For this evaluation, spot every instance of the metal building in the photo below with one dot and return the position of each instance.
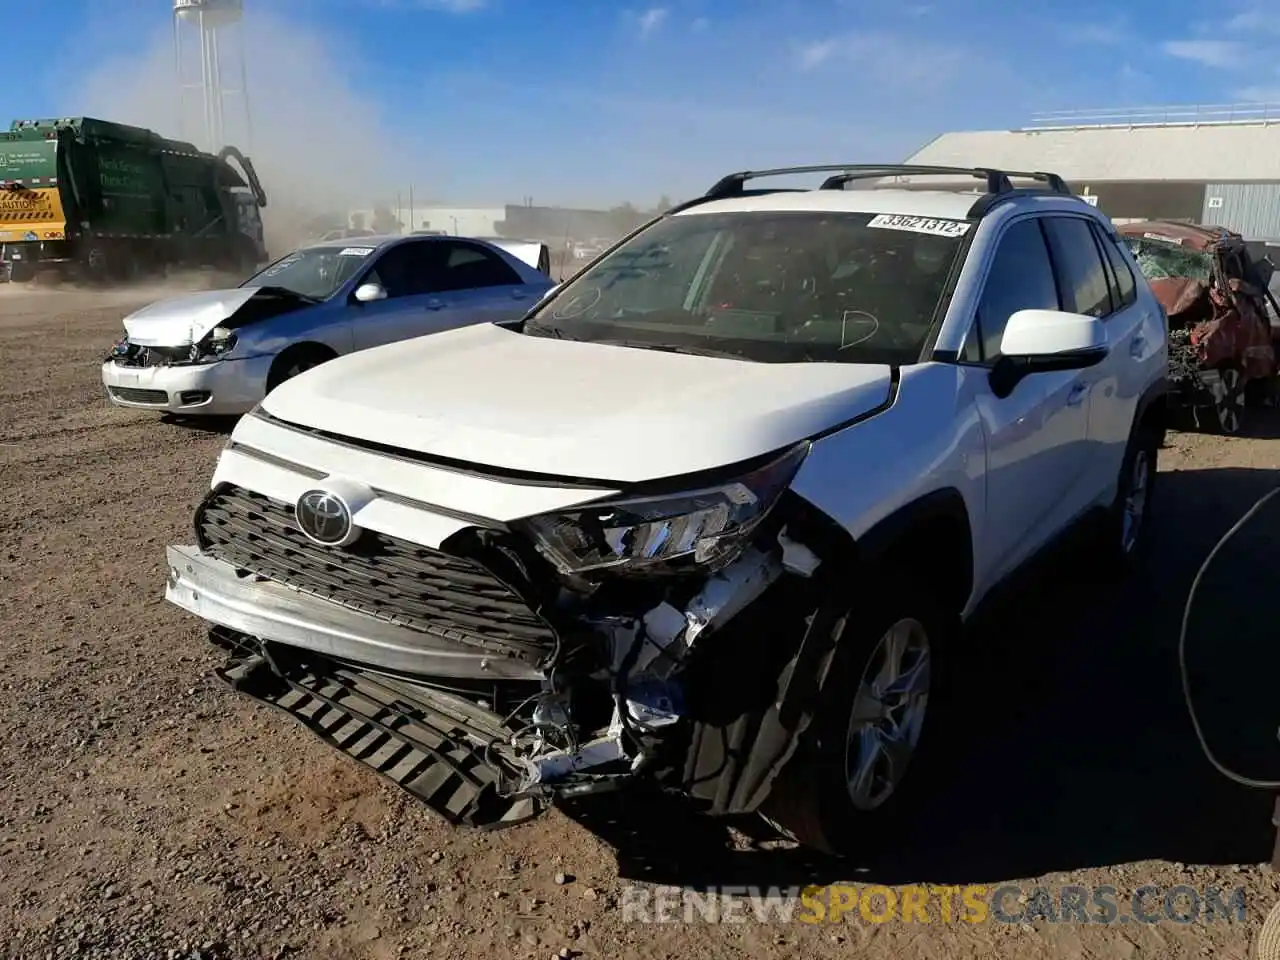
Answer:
(1215, 165)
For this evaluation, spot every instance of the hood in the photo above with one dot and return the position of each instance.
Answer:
(1177, 294)
(493, 397)
(182, 321)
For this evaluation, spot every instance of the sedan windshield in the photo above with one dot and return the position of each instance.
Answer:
(1161, 261)
(316, 272)
(770, 287)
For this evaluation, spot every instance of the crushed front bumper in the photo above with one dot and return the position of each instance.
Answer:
(219, 388)
(404, 701)
(442, 749)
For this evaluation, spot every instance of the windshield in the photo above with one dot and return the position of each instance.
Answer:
(316, 272)
(770, 287)
(1160, 261)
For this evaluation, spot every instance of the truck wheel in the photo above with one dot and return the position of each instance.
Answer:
(861, 773)
(97, 265)
(295, 360)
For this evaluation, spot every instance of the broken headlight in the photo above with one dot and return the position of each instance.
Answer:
(706, 527)
(213, 347)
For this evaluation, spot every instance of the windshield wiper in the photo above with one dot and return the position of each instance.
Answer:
(670, 348)
(546, 329)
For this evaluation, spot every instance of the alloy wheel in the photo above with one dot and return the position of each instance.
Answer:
(888, 714)
(1135, 501)
(1230, 405)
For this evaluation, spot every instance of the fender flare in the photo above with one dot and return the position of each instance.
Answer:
(1154, 398)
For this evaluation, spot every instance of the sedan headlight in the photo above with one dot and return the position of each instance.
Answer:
(705, 527)
(219, 342)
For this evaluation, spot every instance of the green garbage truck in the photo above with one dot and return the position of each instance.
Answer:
(107, 202)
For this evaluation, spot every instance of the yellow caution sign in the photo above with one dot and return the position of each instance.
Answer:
(32, 214)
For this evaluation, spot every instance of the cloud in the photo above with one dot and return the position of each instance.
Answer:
(1258, 95)
(892, 59)
(700, 23)
(1254, 21)
(1097, 34)
(1209, 53)
(650, 20)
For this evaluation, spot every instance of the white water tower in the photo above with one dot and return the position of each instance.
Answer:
(208, 42)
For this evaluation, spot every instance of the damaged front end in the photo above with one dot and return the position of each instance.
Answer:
(670, 640)
(212, 347)
(199, 328)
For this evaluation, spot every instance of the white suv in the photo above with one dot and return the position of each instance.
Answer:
(709, 518)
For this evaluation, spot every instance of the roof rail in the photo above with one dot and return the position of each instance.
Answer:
(998, 181)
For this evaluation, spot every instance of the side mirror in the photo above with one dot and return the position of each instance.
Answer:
(1043, 341)
(369, 292)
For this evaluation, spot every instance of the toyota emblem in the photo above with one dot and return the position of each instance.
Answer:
(324, 518)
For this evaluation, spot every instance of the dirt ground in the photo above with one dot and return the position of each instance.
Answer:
(146, 811)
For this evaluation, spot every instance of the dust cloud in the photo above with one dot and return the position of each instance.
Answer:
(319, 145)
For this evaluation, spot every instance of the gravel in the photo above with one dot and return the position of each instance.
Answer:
(147, 812)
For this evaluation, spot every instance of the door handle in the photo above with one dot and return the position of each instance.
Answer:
(1077, 394)
(1136, 346)
(434, 304)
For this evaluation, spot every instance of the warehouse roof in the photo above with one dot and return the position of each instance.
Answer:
(1207, 152)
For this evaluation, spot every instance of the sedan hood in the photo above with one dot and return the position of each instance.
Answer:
(493, 397)
(182, 321)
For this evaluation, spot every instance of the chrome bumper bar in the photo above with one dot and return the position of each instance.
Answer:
(213, 590)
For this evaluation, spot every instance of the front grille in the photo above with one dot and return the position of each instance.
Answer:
(127, 354)
(383, 576)
(139, 395)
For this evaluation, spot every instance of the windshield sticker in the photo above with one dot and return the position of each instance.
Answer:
(1162, 238)
(937, 228)
(355, 251)
(857, 326)
(578, 305)
(284, 264)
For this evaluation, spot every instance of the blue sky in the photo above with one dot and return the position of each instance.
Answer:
(599, 102)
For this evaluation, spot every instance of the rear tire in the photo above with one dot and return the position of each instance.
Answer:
(860, 776)
(1122, 538)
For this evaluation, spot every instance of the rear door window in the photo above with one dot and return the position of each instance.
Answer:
(1126, 290)
(466, 266)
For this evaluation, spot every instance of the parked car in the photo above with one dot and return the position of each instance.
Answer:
(219, 352)
(788, 443)
(1222, 348)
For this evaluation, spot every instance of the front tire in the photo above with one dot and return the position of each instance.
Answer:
(296, 360)
(861, 773)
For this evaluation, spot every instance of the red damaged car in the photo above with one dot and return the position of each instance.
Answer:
(1222, 349)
